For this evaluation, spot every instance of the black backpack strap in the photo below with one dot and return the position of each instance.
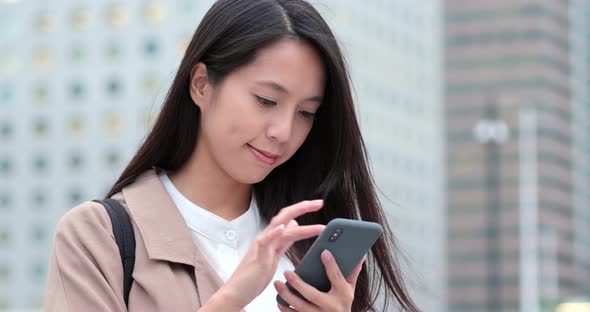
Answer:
(125, 238)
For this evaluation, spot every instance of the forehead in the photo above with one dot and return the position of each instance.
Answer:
(292, 63)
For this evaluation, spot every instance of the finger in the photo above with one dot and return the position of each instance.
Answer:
(333, 271)
(292, 223)
(267, 237)
(294, 301)
(303, 232)
(291, 212)
(289, 236)
(355, 273)
(309, 292)
(283, 308)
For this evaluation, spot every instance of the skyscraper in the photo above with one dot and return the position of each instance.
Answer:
(395, 52)
(79, 86)
(580, 79)
(516, 153)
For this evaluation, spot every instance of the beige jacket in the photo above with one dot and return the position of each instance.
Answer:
(85, 270)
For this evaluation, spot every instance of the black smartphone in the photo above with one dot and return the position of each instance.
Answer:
(348, 241)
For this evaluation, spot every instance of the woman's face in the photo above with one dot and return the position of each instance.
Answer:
(258, 117)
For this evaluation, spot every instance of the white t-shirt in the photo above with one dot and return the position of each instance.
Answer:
(225, 243)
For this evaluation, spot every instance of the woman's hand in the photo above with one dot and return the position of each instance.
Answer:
(338, 299)
(259, 265)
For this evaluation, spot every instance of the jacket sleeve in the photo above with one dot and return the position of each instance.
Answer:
(85, 271)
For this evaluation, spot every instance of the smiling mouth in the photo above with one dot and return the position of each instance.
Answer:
(266, 158)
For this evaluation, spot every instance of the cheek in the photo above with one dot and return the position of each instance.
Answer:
(242, 123)
(233, 128)
(236, 122)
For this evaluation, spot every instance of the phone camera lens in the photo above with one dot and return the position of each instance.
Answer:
(335, 235)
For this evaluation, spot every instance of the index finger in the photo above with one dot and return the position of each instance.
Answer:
(291, 212)
(333, 271)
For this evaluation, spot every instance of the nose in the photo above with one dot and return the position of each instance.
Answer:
(281, 127)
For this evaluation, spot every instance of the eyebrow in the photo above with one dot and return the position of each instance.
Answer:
(281, 89)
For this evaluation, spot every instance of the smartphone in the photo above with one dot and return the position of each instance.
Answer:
(348, 241)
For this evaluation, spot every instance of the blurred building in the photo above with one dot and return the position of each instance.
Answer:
(580, 79)
(394, 49)
(81, 82)
(517, 110)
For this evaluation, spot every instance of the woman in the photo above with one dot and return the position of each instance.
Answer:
(258, 121)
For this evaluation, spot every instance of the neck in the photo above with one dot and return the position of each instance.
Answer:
(205, 184)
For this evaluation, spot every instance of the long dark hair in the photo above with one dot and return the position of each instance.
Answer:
(332, 162)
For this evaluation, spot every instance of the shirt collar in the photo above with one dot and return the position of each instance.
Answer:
(211, 226)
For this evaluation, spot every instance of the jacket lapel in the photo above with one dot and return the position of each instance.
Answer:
(164, 231)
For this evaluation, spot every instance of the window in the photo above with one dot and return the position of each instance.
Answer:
(81, 19)
(6, 130)
(6, 200)
(39, 234)
(39, 199)
(6, 94)
(40, 163)
(42, 59)
(6, 165)
(117, 16)
(40, 92)
(5, 276)
(77, 53)
(75, 160)
(150, 84)
(151, 47)
(40, 127)
(4, 304)
(44, 23)
(77, 90)
(113, 159)
(5, 236)
(154, 13)
(113, 51)
(75, 196)
(38, 271)
(76, 126)
(181, 46)
(112, 124)
(114, 87)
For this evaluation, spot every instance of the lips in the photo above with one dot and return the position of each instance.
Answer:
(263, 156)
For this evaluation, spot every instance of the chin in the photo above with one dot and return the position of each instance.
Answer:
(251, 177)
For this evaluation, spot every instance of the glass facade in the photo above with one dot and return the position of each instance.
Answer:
(517, 208)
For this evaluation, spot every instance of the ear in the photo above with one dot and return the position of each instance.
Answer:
(200, 87)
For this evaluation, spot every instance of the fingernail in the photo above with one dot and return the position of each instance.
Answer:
(277, 285)
(326, 255)
(318, 201)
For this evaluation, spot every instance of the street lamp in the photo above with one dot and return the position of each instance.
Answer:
(492, 132)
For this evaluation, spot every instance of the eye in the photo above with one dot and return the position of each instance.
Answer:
(265, 102)
(308, 115)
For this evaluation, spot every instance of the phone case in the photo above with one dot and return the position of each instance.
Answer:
(354, 240)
